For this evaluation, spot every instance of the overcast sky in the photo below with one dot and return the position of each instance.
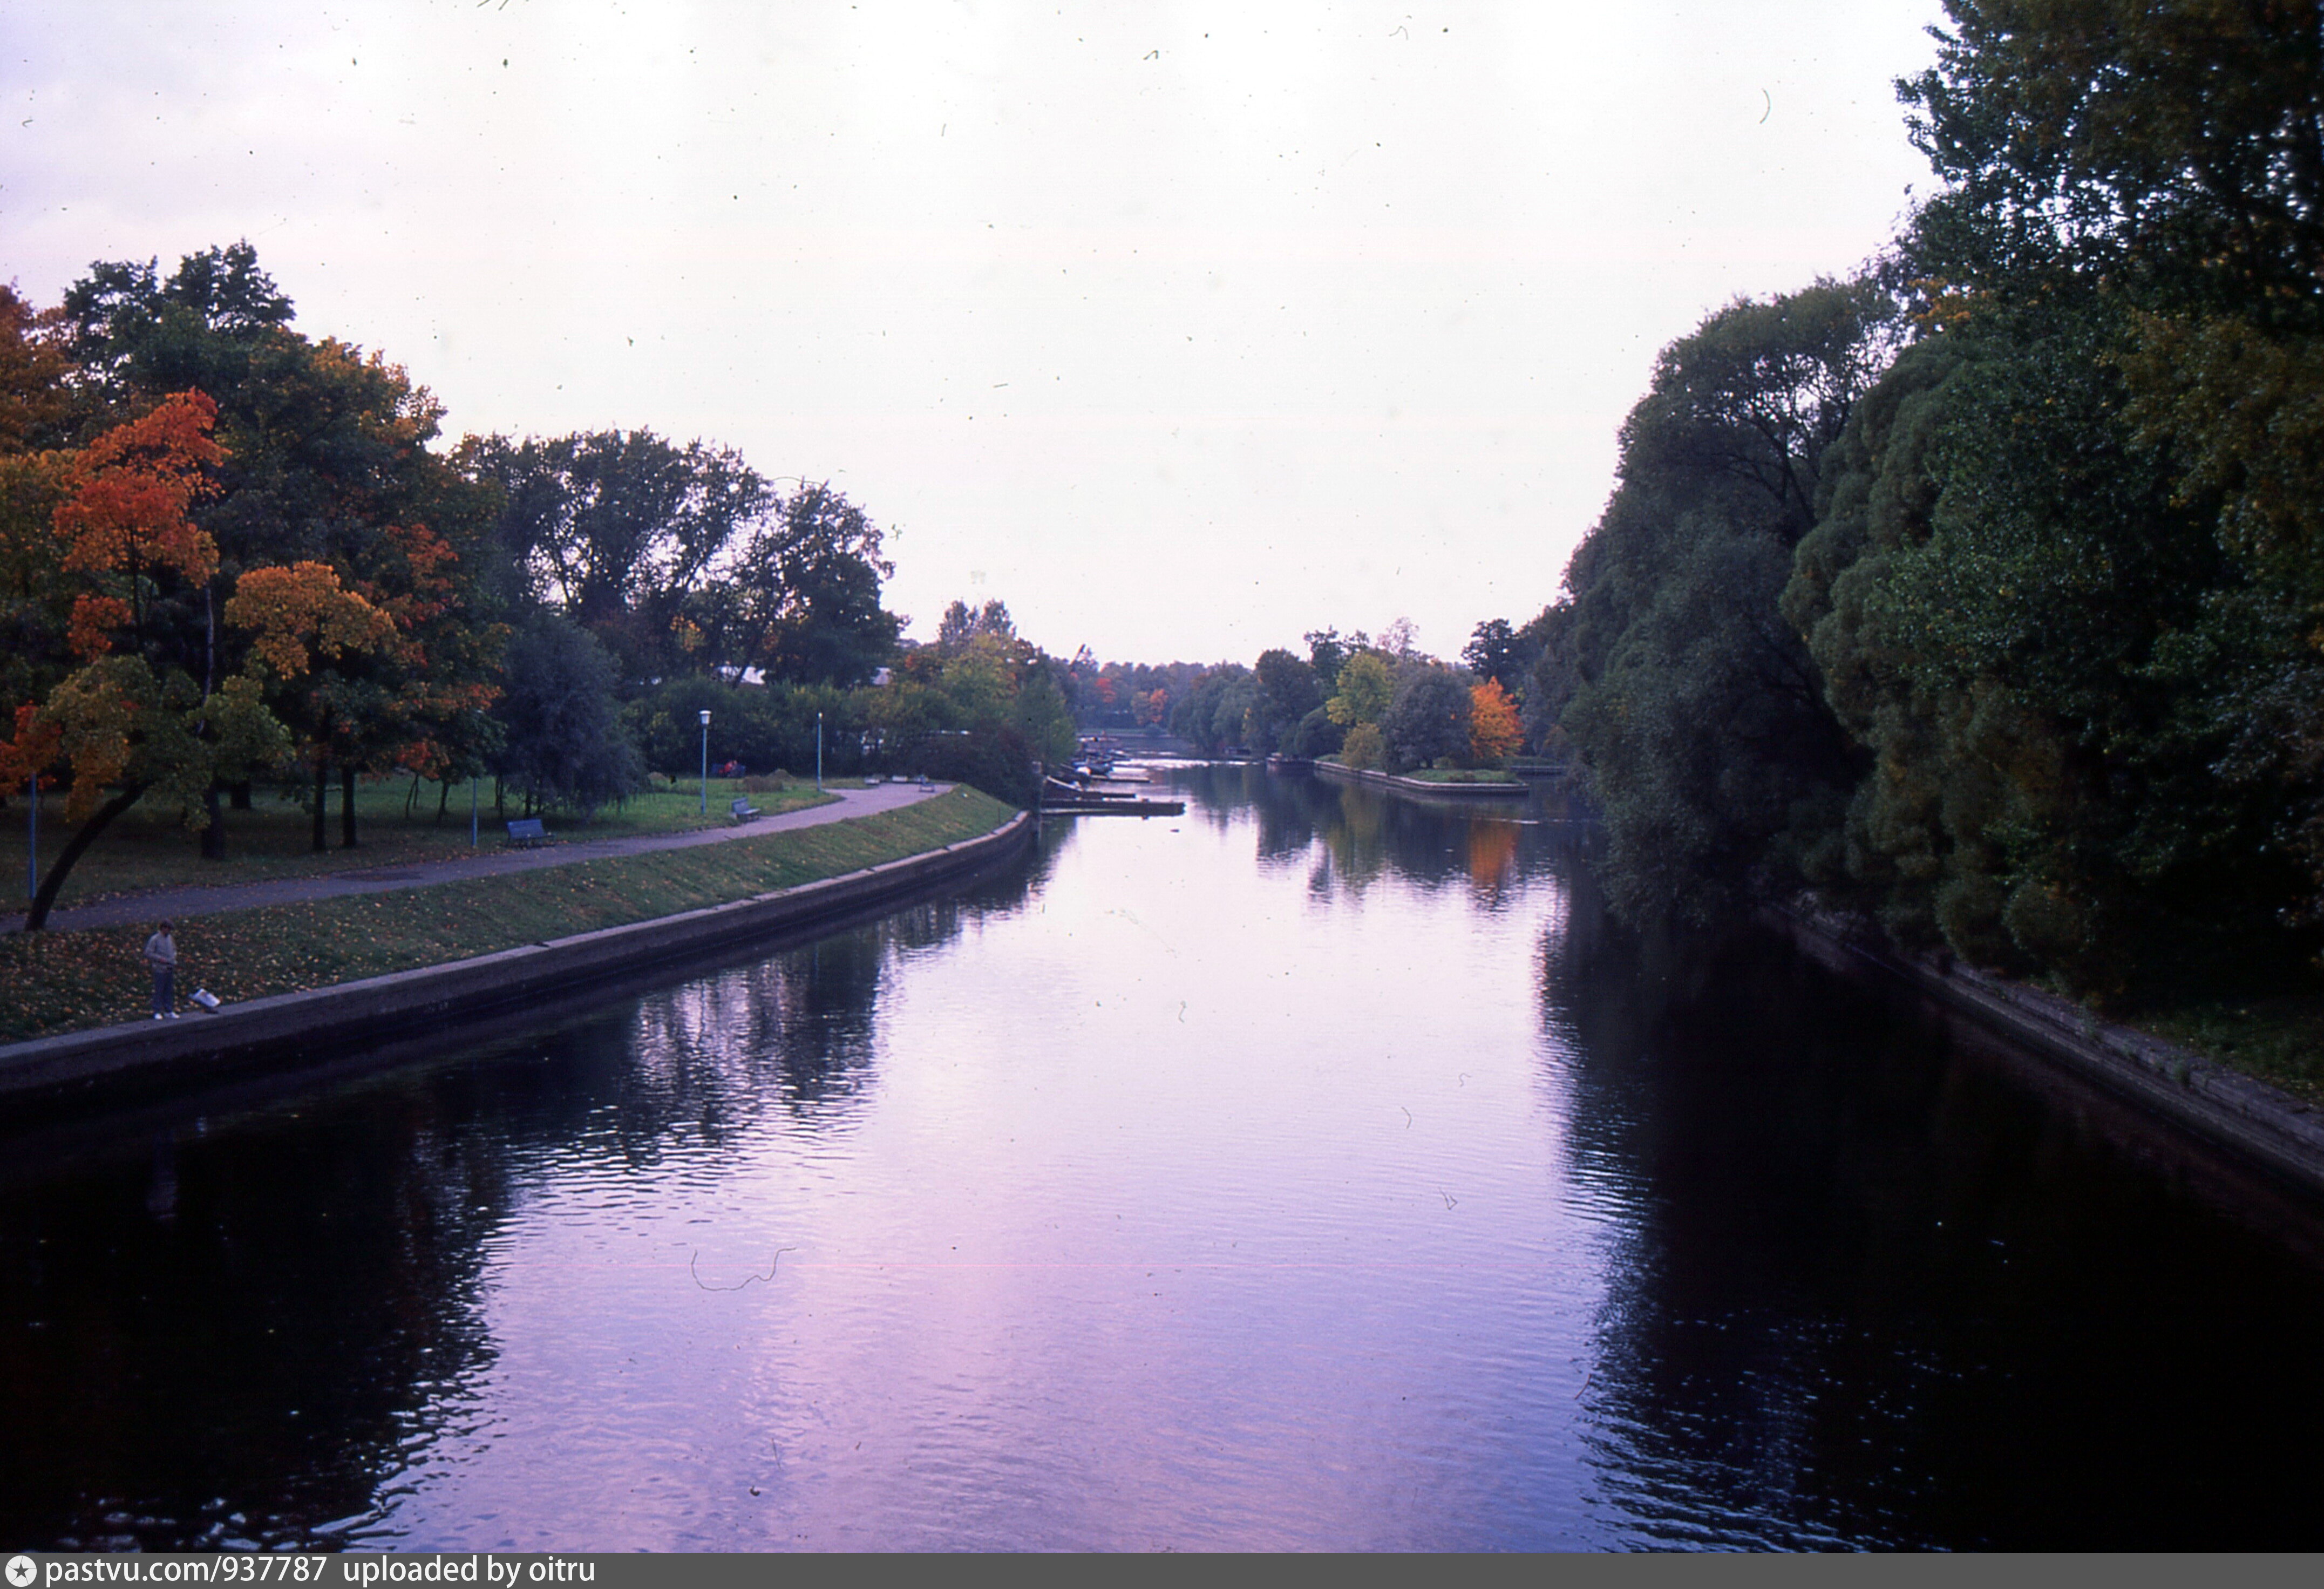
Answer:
(1181, 329)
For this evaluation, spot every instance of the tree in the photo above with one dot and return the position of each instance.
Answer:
(962, 624)
(325, 459)
(1496, 652)
(2084, 655)
(615, 529)
(806, 590)
(1315, 736)
(1212, 713)
(1494, 731)
(144, 710)
(1365, 688)
(1695, 707)
(1428, 720)
(1285, 691)
(565, 744)
(1326, 651)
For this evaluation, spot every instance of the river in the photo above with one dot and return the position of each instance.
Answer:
(1318, 1169)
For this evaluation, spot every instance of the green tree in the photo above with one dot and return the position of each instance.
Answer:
(1696, 709)
(1285, 690)
(1502, 653)
(1428, 719)
(616, 529)
(565, 744)
(1365, 688)
(802, 600)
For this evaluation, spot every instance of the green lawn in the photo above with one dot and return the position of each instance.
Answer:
(2279, 1038)
(1461, 775)
(149, 849)
(52, 982)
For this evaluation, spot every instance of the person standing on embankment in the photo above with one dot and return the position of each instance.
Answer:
(162, 954)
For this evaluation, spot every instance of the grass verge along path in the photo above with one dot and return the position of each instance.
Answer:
(151, 849)
(56, 982)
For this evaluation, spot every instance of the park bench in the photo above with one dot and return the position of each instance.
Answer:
(526, 832)
(743, 810)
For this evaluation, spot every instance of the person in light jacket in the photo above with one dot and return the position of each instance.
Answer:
(162, 954)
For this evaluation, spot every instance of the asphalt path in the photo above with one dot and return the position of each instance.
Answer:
(177, 904)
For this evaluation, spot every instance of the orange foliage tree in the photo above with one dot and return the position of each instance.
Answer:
(132, 718)
(1495, 730)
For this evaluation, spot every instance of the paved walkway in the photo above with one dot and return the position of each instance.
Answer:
(180, 903)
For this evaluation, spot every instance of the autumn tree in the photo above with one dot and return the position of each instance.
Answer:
(326, 460)
(1494, 730)
(145, 710)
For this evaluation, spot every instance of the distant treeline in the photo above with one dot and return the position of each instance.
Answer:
(1984, 593)
(1370, 704)
(230, 555)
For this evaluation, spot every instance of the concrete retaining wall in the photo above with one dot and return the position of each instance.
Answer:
(302, 1026)
(1421, 785)
(2249, 1118)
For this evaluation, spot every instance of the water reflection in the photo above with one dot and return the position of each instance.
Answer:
(1322, 1169)
(1877, 1285)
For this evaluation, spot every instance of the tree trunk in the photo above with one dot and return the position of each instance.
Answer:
(85, 835)
(500, 799)
(443, 799)
(411, 797)
(322, 788)
(213, 830)
(347, 807)
(241, 795)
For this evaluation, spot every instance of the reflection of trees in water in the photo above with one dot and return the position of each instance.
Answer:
(1292, 809)
(1492, 856)
(240, 1320)
(1863, 1289)
(796, 1032)
(273, 1314)
(1351, 834)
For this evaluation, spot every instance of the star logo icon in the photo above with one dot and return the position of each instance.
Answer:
(22, 1571)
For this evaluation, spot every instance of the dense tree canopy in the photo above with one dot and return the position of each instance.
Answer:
(230, 552)
(1996, 619)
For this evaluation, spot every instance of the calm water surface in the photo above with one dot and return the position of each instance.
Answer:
(1318, 1169)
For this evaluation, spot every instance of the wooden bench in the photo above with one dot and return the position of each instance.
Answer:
(743, 810)
(526, 832)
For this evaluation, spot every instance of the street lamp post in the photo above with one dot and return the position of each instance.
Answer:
(706, 763)
(818, 752)
(472, 810)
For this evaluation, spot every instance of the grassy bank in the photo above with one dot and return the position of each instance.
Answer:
(53, 982)
(1461, 775)
(2279, 1038)
(150, 848)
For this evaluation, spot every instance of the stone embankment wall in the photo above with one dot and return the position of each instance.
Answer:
(1421, 785)
(2244, 1115)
